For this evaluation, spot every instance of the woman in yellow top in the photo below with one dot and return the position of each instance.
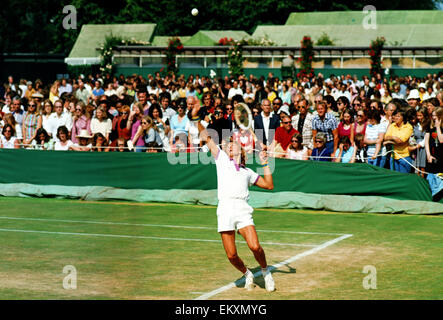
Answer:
(398, 134)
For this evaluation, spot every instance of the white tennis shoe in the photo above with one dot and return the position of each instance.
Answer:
(269, 281)
(249, 280)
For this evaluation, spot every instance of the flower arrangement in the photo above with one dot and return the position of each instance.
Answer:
(106, 57)
(175, 47)
(306, 58)
(375, 49)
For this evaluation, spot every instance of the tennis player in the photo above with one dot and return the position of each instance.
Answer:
(233, 211)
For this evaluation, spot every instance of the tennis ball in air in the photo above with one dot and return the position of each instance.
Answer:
(194, 11)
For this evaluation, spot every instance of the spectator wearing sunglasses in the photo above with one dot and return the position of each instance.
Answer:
(296, 150)
(321, 152)
(32, 121)
(282, 138)
(81, 121)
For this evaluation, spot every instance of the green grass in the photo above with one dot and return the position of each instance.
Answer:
(404, 249)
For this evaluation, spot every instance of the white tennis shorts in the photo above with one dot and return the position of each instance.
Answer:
(233, 214)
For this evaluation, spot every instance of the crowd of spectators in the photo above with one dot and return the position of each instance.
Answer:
(393, 122)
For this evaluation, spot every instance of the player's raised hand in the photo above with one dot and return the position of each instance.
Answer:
(195, 108)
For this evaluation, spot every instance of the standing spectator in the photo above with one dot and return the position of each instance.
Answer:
(167, 111)
(29, 90)
(296, 150)
(9, 119)
(31, 123)
(156, 114)
(58, 119)
(234, 90)
(326, 123)
(361, 123)
(266, 123)
(398, 134)
(101, 124)
(420, 125)
(135, 121)
(345, 152)
(434, 142)
(64, 87)
(8, 140)
(42, 141)
(81, 121)
(53, 92)
(179, 123)
(98, 90)
(16, 110)
(373, 138)
(48, 108)
(302, 122)
(82, 92)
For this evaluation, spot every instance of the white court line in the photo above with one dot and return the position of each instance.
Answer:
(154, 225)
(276, 266)
(145, 237)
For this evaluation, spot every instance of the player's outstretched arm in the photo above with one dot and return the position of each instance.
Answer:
(265, 182)
(204, 136)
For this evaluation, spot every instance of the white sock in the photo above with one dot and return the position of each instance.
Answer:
(264, 271)
(248, 272)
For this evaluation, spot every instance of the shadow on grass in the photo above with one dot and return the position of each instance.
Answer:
(258, 279)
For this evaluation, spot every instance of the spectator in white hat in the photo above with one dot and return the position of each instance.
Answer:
(413, 98)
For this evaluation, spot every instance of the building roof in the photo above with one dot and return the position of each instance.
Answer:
(418, 35)
(401, 17)
(93, 36)
(162, 41)
(210, 38)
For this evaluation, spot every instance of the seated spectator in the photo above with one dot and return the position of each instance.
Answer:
(8, 139)
(120, 125)
(321, 152)
(398, 135)
(83, 143)
(99, 143)
(181, 144)
(58, 119)
(42, 141)
(345, 152)
(296, 150)
(9, 119)
(282, 138)
(48, 108)
(101, 124)
(327, 124)
(152, 147)
(244, 138)
(148, 131)
(63, 143)
(122, 145)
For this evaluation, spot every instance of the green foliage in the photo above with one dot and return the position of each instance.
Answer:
(235, 59)
(324, 40)
(36, 26)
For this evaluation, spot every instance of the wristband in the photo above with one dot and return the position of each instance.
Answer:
(196, 118)
(264, 165)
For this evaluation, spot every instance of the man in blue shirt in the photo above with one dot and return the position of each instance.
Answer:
(328, 124)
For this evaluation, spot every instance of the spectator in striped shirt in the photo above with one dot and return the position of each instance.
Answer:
(328, 124)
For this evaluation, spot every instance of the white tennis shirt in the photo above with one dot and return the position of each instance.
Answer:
(233, 180)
